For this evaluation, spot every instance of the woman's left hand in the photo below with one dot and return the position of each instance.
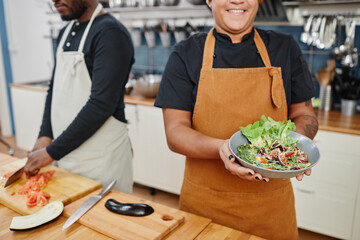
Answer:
(235, 168)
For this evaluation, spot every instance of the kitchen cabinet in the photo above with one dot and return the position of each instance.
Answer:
(28, 107)
(327, 202)
(154, 164)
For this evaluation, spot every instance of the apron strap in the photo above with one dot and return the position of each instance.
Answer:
(95, 13)
(64, 36)
(83, 38)
(210, 46)
(262, 49)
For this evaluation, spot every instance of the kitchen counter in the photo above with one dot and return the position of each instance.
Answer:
(332, 121)
(193, 227)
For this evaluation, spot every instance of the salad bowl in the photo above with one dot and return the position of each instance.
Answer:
(303, 143)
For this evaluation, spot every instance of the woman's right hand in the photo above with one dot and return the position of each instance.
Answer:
(235, 168)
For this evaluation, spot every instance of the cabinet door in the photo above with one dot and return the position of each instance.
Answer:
(28, 109)
(326, 201)
(157, 166)
(325, 212)
(339, 165)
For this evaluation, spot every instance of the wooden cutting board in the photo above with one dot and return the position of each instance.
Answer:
(64, 186)
(154, 226)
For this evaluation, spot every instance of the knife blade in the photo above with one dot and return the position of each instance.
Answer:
(87, 205)
(14, 177)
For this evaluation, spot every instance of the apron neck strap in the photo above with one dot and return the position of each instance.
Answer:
(95, 13)
(260, 45)
(83, 38)
(210, 46)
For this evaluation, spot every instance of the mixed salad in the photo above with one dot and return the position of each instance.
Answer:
(270, 146)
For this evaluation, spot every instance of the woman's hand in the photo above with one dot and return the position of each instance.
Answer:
(301, 176)
(235, 168)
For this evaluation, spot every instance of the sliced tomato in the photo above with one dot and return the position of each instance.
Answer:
(45, 194)
(32, 199)
(289, 154)
(41, 200)
(33, 189)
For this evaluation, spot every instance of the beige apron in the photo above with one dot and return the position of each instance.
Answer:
(227, 99)
(107, 154)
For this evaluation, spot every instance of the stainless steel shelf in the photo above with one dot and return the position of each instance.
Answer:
(312, 3)
(161, 12)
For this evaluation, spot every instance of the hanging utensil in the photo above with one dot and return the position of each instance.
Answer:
(331, 33)
(319, 42)
(350, 58)
(314, 31)
(304, 37)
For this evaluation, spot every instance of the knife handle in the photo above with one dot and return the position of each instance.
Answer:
(108, 188)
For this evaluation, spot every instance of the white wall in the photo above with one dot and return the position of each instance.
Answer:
(30, 46)
(5, 122)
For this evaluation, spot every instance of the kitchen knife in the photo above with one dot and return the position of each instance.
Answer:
(87, 205)
(14, 177)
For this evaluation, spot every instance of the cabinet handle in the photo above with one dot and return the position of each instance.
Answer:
(306, 190)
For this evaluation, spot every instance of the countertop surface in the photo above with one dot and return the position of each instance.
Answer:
(332, 120)
(328, 120)
(193, 227)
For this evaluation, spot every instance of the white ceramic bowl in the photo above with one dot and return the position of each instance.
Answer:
(305, 144)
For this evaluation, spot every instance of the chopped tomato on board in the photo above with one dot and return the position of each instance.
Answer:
(32, 199)
(41, 199)
(33, 189)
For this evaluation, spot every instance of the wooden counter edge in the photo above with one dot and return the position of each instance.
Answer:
(322, 115)
(30, 87)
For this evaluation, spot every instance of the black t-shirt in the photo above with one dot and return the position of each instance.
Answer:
(109, 56)
(180, 79)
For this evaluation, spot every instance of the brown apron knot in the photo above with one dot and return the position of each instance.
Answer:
(276, 87)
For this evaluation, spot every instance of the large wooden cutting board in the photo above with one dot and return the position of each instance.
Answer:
(154, 226)
(64, 186)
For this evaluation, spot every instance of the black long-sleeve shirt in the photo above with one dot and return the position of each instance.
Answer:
(109, 55)
(178, 88)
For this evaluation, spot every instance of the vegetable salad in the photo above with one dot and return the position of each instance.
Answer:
(270, 146)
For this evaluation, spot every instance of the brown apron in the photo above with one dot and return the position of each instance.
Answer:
(227, 99)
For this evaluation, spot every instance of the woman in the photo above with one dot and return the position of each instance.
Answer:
(213, 84)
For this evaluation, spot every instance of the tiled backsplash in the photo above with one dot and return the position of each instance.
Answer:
(154, 59)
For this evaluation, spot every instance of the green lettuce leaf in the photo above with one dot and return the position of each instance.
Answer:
(264, 132)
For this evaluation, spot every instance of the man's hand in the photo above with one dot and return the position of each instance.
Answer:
(41, 142)
(36, 160)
